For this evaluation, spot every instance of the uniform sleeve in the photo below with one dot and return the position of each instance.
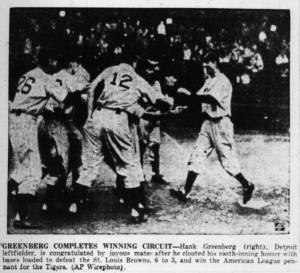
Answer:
(73, 84)
(146, 90)
(157, 87)
(219, 90)
(56, 90)
(86, 75)
(136, 110)
(91, 91)
(205, 88)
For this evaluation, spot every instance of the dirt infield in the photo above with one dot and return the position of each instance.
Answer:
(213, 207)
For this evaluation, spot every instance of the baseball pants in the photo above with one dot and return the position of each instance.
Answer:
(113, 136)
(218, 135)
(26, 167)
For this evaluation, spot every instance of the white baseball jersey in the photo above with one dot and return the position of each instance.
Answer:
(216, 134)
(67, 83)
(34, 90)
(82, 73)
(123, 87)
(219, 87)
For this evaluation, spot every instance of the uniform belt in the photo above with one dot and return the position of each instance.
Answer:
(117, 111)
(18, 112)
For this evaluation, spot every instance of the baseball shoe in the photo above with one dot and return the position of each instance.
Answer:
(25, 224)
(48, 210)
(158, 179)
(247, 193)
(119, 195)
(178, 195)
(12, 188)
(139, 219)
(73, 208)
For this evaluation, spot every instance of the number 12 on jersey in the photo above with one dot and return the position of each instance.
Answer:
(125, 80)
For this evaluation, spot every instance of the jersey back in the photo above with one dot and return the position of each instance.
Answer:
(123, 87)
(31, 96)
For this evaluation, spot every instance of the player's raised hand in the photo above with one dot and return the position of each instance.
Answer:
(182, 90)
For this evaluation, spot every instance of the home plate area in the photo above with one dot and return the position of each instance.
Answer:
(214, 206)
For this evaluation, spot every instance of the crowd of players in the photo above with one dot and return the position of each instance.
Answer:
(48, 142)
(61, 126)
(62, 95)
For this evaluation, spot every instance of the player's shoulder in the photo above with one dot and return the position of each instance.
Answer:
(125, 68)
(62, 74)
(38, 74)
(224, 79)
(37, 71)
(157, 86)
(107, 71)
(223, 76)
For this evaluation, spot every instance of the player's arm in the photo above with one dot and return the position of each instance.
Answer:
(76, 84)
(160, 115)
(155, 98)
(219, 93)
(214, 94)
(56, 90)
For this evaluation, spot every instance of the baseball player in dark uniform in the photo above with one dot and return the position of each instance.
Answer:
(216, 131)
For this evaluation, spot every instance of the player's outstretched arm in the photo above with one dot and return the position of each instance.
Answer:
(159, 115)
(182, 90)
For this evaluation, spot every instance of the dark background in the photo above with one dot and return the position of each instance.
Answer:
(239, 37)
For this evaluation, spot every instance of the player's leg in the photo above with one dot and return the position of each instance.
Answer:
(225, 148)
(155, 164)
(201, 151)
(55, 181)
(119, 191)
(75, 149)
(154, 147)
(27, 166)
(143, 134)
(54, 173)
(90, 167)
(121, 141)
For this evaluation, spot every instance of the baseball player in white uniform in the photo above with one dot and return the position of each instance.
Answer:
(61, 129)
(34, 90)
(150, 130)
(216, 131)
(112, 128)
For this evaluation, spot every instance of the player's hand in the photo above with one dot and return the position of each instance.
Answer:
(169, 100)
(184, 91)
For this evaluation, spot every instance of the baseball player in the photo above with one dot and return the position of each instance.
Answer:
(149, 130)
(216, 131)
(112, 128)
(62, 131)
(34, 90)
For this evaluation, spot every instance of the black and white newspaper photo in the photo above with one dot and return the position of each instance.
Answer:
(156, 136)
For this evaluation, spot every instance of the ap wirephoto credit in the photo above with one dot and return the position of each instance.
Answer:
(164, 121)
